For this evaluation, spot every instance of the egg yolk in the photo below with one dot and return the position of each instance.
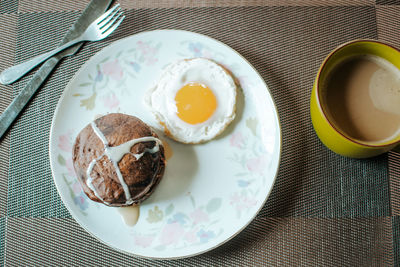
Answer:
(195, 102)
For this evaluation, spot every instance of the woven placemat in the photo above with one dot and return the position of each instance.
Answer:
(324, 210)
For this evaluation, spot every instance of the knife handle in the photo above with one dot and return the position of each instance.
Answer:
(16, 106)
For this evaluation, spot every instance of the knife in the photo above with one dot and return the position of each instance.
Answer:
(91, 12)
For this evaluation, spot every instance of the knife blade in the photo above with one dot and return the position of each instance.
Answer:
(91, 12)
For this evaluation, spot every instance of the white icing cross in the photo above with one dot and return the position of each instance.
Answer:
(115, 154)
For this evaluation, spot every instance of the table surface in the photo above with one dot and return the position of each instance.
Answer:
(324, 210)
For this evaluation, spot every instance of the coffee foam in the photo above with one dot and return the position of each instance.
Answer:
(384, 87)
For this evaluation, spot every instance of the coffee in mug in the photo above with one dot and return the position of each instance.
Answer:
(362, 96)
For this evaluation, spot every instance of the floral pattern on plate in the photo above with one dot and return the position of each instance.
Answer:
(114, 71)
(180, 228)
(64, 159)
(251, 158)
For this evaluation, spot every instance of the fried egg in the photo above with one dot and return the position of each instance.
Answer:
(194, 100)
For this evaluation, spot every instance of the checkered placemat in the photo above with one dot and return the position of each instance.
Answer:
(324, 210)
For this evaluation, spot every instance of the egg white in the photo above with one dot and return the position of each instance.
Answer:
(160, 99)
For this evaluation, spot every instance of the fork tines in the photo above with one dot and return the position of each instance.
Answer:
(109, 18)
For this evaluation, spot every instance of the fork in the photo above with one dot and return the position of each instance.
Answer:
(99, 29)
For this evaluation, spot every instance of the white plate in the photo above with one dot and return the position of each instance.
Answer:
(209, 192)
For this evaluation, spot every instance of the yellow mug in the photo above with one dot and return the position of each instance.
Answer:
(327, 131)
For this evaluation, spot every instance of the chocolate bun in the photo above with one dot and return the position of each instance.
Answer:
(118, 160)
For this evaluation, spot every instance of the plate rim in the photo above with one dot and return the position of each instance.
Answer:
(73, 214)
